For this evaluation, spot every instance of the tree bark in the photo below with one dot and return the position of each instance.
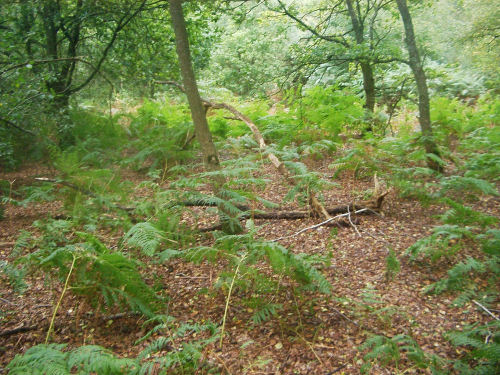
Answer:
(201, 129)
(203, 135)
(423, 92)
(366, 66)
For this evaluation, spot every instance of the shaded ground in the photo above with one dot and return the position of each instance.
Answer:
(307, 337)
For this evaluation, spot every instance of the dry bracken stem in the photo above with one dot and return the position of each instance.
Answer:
(227, 301)
(11, 183)
(485, 309)
(51, 326)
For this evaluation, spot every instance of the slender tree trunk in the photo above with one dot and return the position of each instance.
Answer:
(366, 67)
(421, 81)
(368, 86)
(201, 129)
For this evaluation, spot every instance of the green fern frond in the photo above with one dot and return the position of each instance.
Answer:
(265, 312)
(463, 215)
(201, 253)
(466, 184)
(458, 276)
(14, 275)
(50, 359)
(145, 236)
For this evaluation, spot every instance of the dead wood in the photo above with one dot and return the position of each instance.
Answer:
(295, 215)
(316, 205)
(21, 329)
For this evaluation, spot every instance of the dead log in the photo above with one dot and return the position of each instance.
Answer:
(295, 215)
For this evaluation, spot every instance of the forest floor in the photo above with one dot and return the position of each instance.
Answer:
(311, 335)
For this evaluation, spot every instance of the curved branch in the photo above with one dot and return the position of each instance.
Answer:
(329, 38)
(121, 24)
(11, 124)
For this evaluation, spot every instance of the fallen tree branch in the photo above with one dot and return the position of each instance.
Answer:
(350, 221)
(320, 224)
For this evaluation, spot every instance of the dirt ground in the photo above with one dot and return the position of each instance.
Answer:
(313, 335)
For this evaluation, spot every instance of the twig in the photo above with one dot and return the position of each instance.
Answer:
(319, 225)
(121, 315)
(312, 349)
(11, 124)
(223, 363)
(344, 316)
(184, 276)
(485, 309)
(352, 224)
(337, 369)
(7, 301)
(13, 331)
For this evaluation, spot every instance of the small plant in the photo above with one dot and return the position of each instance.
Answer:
(392, 265)
(105, 277)
(15, 276)
(483, 342)
(395, 350)
(50, 359)
(163, 354)
(176, 347)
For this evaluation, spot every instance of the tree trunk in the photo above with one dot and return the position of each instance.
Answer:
(423, 92)
(201, 129)
(368, 86)
(366, 67)
(202, 132)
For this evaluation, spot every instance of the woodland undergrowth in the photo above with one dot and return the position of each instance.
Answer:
(157, 142)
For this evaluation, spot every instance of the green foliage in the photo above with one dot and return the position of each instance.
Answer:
(145, 236)
(50, 359)
(159, 355)
(444, 242)
(15, 276)
(466, 216)
(329, 109)
(471, 185)
(394, 350)
(263, 310)
(306, 182)
(460, 276)
(248, 251)
(105, 277)
(159, 136)
(392, 265)
(245, 60)
(483, 342)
